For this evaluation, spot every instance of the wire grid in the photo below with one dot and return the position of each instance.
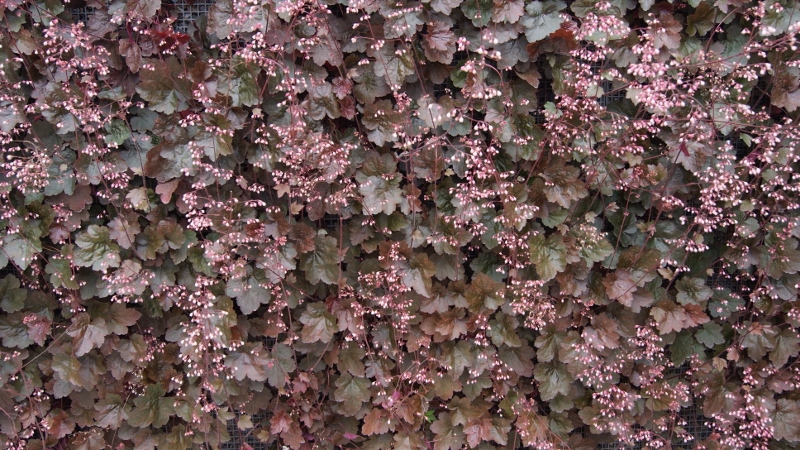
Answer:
(759, 96)
(736, 142)
(693, 203)
(240, 437)
(269, 342)
(695, 422)
(720, 278)
(82, 14)
(544, 93)
(7, 270)
(740, 147)
(331, 221)
(695, 426)
(610, 95)
(186, 12)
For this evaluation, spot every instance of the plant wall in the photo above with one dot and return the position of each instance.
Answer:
(391, 224)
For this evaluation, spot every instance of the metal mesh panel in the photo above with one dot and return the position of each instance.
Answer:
(332, 222)
(690, 419)
(240, 437)
(618, 446)
(188, 11)
(759, 96)
(740, 147)
(82, 14)
(695, 426)
(185, 12)
(690, 206)
(7, 270)
(269, 342)
(610, 94)
(544, 93)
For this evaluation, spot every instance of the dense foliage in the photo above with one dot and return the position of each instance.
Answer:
(392, 224)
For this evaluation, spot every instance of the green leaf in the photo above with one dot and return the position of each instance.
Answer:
(280, 364)
(370, 86)
(68, 368)
(322, 264)
(553, 379)
(351, 393)
(61, 274)
(380, 119)
(350, 360)
(161, 86)
(87, 333)
(563, 186)
(400, 20)
(96, 250)
(502, 331)
(778, 16)
(541, 19)
(548, 343)
(380, 194)
(249, 295)
(12, 297)
(119, 318)
(593, 245)
(710, 335)
(323, 102)
(151, 408)
(759, 339)
(786, 346)
(177, 439)
(702, 20)
(692, 291)
(518, 359)
(240, 85)
(668, 32)
(143, 8)
(118, 132)
(320, 325)
(508, 11)
(248, 362)
(13, 330)
(484, 293)
(681, 348)
(478, 11)
(394, 64)
(44, 11)
(786, 420)
(21, 249)
(111, 411)
(548, 255)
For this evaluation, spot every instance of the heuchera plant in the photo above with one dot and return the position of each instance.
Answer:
(397, 224)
